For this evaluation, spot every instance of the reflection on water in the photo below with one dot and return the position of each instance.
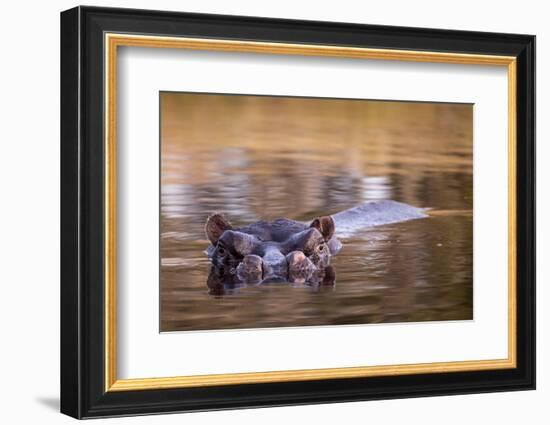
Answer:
(228, 284)
(265, 157)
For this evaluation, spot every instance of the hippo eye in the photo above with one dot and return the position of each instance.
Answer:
(221, 251)
(321, 247)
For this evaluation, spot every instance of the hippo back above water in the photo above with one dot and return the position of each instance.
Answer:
(291, 250)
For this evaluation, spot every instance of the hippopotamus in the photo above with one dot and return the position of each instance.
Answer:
(290, 250)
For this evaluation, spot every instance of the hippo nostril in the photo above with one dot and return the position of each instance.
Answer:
(300, 268)
(298, 256)
(250, 269)
(295, 258)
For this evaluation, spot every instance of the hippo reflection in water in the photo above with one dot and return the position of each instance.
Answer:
(288, 250)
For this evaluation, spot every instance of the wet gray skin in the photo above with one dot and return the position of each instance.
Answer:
(288, 250)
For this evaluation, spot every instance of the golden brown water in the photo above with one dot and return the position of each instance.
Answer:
(258, 158)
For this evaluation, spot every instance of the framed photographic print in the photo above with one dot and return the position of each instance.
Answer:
(261, 212)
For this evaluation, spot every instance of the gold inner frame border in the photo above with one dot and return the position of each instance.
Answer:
(113, 40)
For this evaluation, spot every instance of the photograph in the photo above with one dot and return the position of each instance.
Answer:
(261, 210)
(280, 211)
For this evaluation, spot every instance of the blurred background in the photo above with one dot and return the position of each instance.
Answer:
(264, 157)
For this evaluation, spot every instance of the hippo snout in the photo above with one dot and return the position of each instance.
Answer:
(295, 267)
(255, 269)
(274, 265)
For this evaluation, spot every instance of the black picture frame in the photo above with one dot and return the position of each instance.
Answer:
(83, 392)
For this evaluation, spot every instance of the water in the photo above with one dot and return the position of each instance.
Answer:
(263, 157)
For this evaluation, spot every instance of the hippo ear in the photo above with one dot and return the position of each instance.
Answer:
(215, 226)
(325, 225)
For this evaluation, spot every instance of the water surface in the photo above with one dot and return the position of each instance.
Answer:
(258, 158)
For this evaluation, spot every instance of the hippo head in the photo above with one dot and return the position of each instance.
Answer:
(267, 251)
